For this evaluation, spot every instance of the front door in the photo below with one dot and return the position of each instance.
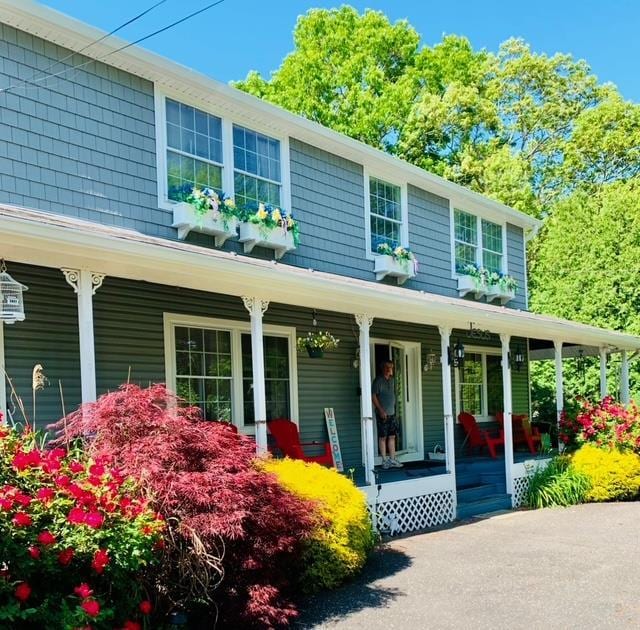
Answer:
(406, 358)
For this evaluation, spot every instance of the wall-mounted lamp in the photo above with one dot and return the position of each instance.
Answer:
(517, 360)
(430, 361)
(456, 357)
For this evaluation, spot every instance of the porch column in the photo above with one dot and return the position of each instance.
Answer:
(364, 322)
(447, 401)
(3, 383)
(505, 340)
(256, 308)
(85, 283)
(603, 372)
(624, 378)
(559, 385)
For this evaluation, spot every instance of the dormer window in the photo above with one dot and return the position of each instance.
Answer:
(477, 241)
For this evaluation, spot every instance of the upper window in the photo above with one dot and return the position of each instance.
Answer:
(256, 162)
(385, 214)
(194, 149)
(477, 241)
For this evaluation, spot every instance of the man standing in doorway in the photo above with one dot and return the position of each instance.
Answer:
(384, 400)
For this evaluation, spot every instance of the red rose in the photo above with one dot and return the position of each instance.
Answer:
(94, 520)
(91, 607)
(146, 607)
(83, 590)
(63, 481)
(34, 552)
(100, 560)
(22, 519)
(131, 625)
(65, 556)
(6, 504)
(23, 499)
(76, 467)
(96, 470)
(22, 592)
(56, 453)
(45, 494)
(45, 537)
(76, 516)
(51, 465)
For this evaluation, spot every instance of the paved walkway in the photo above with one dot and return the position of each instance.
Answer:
(556, 568)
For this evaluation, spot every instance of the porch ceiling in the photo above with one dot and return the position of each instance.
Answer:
(40, 238)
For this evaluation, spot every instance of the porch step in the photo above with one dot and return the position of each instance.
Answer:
(475, 492)
(489, 503)
(486, 464)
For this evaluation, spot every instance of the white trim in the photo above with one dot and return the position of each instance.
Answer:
(411, 488)
(447, 406)
(404, 210)
(603, 373)
(228, 167)
(3, 383)
(236, 328)
(507, 407)
(40, 238)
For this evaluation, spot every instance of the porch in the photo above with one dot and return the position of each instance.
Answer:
(107, 306)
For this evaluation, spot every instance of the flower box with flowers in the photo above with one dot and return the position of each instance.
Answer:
(316, 342)
(204, 210)
(398, 262)
(472, 279)
(501, 287)
(271, 228)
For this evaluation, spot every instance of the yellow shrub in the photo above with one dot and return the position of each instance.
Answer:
(339, 547)
(614, 475)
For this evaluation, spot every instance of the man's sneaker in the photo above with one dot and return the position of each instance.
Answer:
(394, 463)
(386, 463)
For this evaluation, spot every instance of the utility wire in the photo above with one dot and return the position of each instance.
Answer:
(113, 52)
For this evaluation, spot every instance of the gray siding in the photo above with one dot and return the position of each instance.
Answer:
(83, 144)
(48, 336)
(516, 260)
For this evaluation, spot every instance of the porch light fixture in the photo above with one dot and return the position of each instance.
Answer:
(581, 364)
(11, 303)
(456, 358)
(431, 360)
(518, 358)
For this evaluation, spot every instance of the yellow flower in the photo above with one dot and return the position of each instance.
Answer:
(275, 215)
(230, 203)
(289, 222)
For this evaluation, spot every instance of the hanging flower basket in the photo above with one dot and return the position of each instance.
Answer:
(316, 342)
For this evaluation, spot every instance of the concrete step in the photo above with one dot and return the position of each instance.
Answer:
(485, 464)
(490, 503)
(475, 492)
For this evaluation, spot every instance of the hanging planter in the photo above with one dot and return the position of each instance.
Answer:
(11, 302)
(316, 342)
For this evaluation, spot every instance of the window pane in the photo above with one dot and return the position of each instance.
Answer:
(495, 401)
(466, 227)
(465, 255)
(386, 213)
(250, 191)
(471, 383)
(493, 262)
(492, 236)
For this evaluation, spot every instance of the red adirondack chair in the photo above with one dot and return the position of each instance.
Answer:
(523, 432)
(477, 437)
(287, 439)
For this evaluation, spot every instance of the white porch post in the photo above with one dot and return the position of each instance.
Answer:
(3, 383)
(559, 384)
(364, 322)
(256, 308)
(507, 410)
(603, 372)
(624, 378)
(85, 283)
(447, 401)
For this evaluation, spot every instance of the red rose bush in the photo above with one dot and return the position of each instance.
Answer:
(76, 538)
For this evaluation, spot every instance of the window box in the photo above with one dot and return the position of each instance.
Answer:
(468, 284)
(497, 292)
(186, 219)
(254, 235)
(387, 265)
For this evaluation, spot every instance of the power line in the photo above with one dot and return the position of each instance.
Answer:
(113, 52)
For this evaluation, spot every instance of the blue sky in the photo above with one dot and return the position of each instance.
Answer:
(240, 35)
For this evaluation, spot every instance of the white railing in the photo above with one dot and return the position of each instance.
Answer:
(406, 506)
(521, 473)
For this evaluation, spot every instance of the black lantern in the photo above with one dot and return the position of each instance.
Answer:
(456, 358)
(518, 358)
(581, 364)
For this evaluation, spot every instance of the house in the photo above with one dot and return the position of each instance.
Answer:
(124, 286)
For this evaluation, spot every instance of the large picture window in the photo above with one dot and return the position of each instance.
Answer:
(477, 241)
(209, 365)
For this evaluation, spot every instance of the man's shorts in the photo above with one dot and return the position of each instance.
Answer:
(388, 427)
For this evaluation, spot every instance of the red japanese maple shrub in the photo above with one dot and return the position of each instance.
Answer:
(233, 529)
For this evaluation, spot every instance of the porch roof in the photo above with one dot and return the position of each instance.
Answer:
(41, 238)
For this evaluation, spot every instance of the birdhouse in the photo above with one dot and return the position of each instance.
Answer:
(11, 303)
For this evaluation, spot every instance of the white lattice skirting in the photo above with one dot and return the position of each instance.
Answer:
(412, 505)
(520, 487)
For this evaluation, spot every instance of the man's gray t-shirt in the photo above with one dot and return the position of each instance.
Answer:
(384, 389)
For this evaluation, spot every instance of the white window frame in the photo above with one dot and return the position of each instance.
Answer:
(483, 351)
(236, 329)
(160, 96)
(463, 206)
(404, 210)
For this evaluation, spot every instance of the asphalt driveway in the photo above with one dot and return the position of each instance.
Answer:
(556, 568)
